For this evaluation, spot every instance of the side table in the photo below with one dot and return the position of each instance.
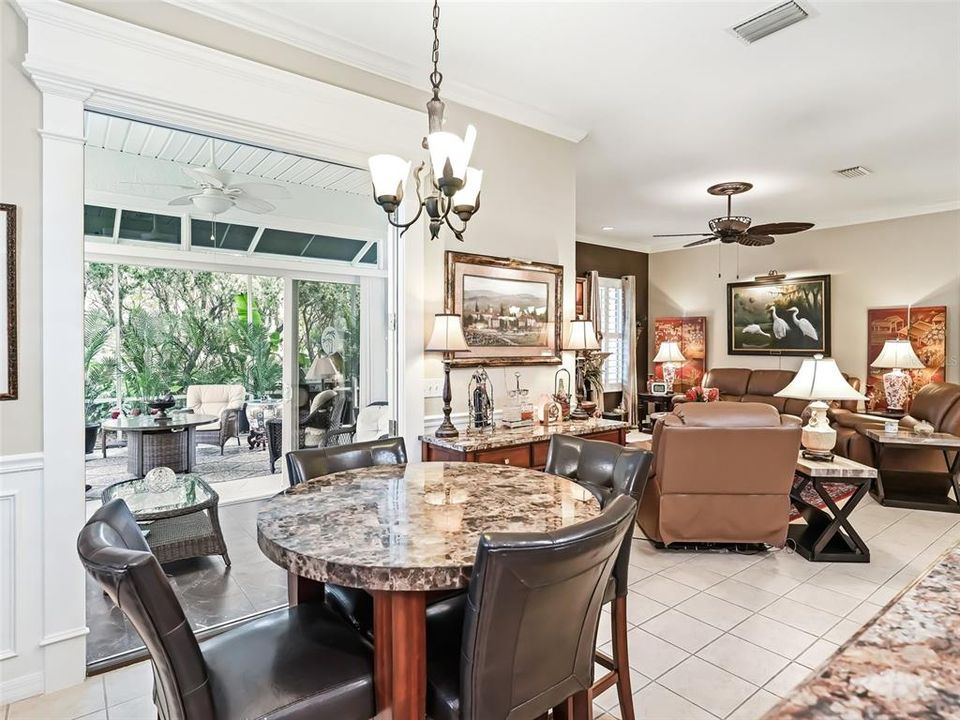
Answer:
(829, 537)
(918, 490)
(661, 403)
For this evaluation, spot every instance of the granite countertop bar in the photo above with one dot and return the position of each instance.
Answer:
(505, 437)
(411, 527)
(904, 664)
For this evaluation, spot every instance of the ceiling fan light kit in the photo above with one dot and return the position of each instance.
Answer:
(455, 186)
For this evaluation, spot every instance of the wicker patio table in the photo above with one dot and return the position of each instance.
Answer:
(180, 521)
(152, 442)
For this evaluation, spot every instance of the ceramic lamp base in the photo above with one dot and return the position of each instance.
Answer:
(817, 436)
(669, 376)
(896, 388)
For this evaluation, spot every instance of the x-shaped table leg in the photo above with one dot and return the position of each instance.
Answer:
(841, 520)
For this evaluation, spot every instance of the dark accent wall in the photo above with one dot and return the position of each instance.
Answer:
(615, 262)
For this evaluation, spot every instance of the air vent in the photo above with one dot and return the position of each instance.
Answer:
(771, 21)
(853, 172)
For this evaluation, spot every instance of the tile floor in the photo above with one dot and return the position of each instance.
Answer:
(711, 635)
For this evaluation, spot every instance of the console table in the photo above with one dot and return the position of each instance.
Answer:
(520, 447)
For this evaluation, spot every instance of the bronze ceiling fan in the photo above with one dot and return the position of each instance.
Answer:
(736, 228)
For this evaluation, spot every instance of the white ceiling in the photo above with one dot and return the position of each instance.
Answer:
(666, 101)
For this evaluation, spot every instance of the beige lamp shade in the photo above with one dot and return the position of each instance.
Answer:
(322, 368)
(581, 336)
(898, 354)
(447, 334)
(819, 378)
(669, 352)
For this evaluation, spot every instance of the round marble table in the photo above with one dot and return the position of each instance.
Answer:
(400, 532)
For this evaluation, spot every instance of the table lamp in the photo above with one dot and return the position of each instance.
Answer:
(322, 368)
(581, 336)
(669, 354)
(898, 355)
(447, 337)
(819, 379)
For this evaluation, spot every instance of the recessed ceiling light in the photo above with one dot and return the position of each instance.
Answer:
(607, 228)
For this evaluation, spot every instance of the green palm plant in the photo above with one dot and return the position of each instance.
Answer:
(99, 372)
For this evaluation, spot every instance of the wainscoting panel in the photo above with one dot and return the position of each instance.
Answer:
(8, 574)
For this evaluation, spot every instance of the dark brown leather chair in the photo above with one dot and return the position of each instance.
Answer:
(935, 403)
(354, 604)
(722, 473)
(521, 640)
(302, 465)
(607, 470)
(302, 662)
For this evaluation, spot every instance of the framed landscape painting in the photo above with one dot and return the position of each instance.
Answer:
(926, 327)
(779, 317)
(8, 306)
(511, 310)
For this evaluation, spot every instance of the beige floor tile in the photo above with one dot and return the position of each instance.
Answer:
(650, 655)
(767, 578)
(725, 563)
(643, 555)
(714, 610)
(744, 659)
(708, 686)
(663, 590)
(817, 654)
(67, 704)
(784, 682)
(842, 631)
(682, 630)
(98, 715)
(739, 593)
(640, 608)
(796, 614)
(835, 603)
(141, 708)
(128, 683)
(609, 700)
(694, 576)
(786, 562)
(885, 593)
(774, 636)
(656, 702)
(755, 707)
(839, 580)
(864, 612)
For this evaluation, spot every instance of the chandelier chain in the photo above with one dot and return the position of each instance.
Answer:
(436, 77)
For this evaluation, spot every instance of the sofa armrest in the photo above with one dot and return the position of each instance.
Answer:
(846, 418)
(680, 398)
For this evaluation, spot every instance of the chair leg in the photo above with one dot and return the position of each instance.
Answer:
(582, 706)
(618, 616)
(564, 711)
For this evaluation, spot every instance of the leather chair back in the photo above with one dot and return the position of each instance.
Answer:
(531, 615)
(939, 405)
(607, 470)
(302, 465)
(723, 473)
(115, 553)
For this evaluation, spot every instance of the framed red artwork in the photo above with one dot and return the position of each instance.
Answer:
(926, 327)
(691, 333)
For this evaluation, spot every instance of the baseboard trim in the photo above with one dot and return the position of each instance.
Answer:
(21, 688)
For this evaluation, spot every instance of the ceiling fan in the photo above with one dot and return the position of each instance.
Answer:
(736, 228)
(214, 194)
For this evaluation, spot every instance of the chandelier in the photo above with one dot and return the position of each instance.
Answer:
(454, 186)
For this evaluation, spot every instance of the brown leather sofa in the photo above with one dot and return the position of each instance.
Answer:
(746, 385)
(722, 474)
(936, 403)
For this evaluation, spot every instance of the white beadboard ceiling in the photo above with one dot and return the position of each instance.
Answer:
(177, 146)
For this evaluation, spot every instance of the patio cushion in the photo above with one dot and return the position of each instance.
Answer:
(213, 399)
(373, 422)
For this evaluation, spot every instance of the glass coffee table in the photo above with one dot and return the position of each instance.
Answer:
(179, 520)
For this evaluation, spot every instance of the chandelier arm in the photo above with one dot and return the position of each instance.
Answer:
(406, 226)
(457, 233)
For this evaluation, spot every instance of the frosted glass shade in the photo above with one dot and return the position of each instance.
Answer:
(581, 336)
(447, 335)
(389, 174)
(898, 354)
(819, 378)
(322, 368)
(669, 352)
(467, 195)
(445, 146)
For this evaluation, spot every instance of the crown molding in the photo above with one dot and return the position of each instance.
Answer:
(260, 20)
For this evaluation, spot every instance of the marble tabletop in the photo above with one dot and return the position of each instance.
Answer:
(908, 437)
(505, 437)
(904, 664)
(839, 467)
(410, 527)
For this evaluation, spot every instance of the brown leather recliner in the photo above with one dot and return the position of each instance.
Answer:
(722, 473)
(746, 385)
(936, 403)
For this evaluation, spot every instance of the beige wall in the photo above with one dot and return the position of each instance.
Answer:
(914, 260)
(20, 420)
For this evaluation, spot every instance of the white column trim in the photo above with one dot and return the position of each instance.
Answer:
(20, 463)
(64, 636)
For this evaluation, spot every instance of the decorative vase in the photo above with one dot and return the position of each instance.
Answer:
(896, 386)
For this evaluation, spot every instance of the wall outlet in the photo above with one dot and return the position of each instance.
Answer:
(433, 387)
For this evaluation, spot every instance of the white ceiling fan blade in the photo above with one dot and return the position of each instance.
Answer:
(268, 191)
(183, 199)
(252, 204)
(206, 176)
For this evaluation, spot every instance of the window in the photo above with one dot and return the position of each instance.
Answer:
(611, 328)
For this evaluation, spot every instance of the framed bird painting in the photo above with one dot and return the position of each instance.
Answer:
(788, 316)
